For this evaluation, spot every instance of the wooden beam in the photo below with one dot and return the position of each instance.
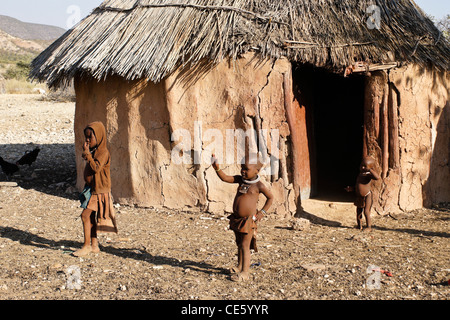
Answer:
(364, 67)
(394, 103)
(385, 132)
(296, 144)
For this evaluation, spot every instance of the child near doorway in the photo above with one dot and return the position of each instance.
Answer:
(245, 213)
(364, 195)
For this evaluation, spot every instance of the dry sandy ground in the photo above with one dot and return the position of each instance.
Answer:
(171, 255)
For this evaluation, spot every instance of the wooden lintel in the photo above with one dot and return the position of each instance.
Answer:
(364, 67)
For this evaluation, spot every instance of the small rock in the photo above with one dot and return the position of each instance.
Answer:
(122, 287)
(300, 224)
(313, 266)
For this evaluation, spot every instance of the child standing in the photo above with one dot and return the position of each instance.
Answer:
(364, 196)
(245, 213)
(98, 214)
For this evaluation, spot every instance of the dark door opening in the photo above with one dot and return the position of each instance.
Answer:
(336, 114)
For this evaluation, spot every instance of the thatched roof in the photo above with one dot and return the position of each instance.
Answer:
(151, 38)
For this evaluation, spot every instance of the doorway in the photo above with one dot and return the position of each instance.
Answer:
(335, 120)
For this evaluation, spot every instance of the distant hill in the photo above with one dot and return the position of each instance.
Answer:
(22, 41)
(17, 46)
(29, 31)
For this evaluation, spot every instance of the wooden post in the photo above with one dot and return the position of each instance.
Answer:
(283, 162)
(394, 151)
(385, 132)
(296, 144)
(374, 116)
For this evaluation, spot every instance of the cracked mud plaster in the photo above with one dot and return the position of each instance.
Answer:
(424, 95)
(246, 96)
(417, 181)
(260, 116)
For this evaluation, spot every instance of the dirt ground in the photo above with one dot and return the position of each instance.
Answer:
(161, 254)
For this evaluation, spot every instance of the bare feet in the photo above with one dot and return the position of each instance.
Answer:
(85, 250)
(95, 249)
(94, 245)
(234, 270)
(239, 277)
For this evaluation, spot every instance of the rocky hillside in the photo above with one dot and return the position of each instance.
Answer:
(13, 45)
(20, 43)
(29, 31)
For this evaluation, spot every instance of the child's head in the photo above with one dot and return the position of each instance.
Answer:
(367, 163)
(95, 135)
(89, 136)
(250, 166)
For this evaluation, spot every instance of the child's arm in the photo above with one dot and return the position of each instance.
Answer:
(375, 175)
(222, 175)
(269, 200)
(95, 164)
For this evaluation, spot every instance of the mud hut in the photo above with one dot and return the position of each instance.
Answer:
(317, 83)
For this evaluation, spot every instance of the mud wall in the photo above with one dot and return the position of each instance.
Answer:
(145, 122)
(407, 121)
(424, 142)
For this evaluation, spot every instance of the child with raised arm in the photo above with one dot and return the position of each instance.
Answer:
(364, 196)
(245, 212)
(96, 200)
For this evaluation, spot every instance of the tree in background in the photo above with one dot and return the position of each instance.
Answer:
(19, 71)
(444, 25)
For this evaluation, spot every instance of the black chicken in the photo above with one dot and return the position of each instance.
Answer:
(8, 168)
(29, 157)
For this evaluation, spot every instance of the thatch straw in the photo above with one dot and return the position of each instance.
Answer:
(151, 38)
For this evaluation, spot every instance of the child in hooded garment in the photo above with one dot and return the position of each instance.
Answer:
(98, 214)
(245, 213)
